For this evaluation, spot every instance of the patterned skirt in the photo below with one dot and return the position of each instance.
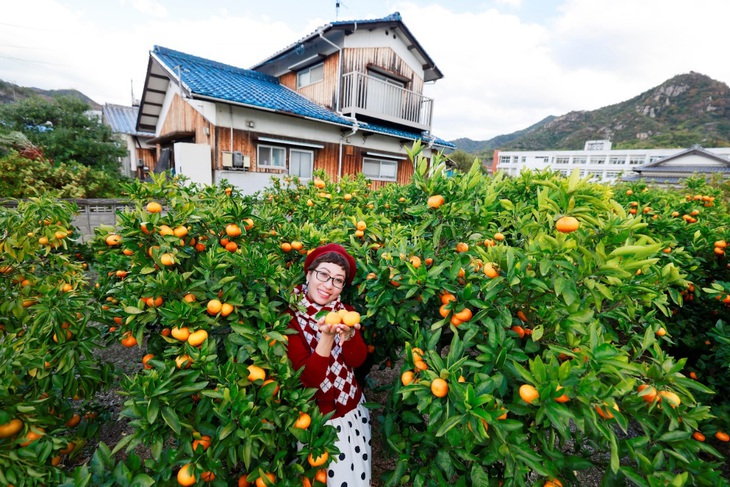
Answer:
(352, 467)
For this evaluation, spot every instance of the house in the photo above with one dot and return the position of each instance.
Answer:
(601, 162)
(141, 155)
(673, 170)
(346, 99)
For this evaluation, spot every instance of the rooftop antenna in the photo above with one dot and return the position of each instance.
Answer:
(337, 9)
(131, 83)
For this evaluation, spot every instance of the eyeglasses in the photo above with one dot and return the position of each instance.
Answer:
(322, 276)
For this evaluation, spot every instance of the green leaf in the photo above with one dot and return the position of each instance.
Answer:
(170, 417)
(615, 460)
(448, 424)
(153, 407)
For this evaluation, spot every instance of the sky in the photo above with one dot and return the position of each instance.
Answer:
(507, 64)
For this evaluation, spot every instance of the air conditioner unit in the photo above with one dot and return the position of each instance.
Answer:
(237, 159)
(227, 159)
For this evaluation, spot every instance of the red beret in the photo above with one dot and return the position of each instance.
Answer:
(337, 249)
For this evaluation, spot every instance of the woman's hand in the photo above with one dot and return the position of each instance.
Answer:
(347, 332)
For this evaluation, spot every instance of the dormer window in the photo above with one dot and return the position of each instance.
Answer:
(310, 75)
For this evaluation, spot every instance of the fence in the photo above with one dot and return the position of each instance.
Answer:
(91, 213)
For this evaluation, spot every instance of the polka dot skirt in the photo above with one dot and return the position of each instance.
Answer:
(352, 467)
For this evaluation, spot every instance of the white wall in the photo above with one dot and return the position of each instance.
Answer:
(377, 38)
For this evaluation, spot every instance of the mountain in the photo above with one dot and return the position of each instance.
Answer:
(684, 110)
(10, 93)
(478, 146)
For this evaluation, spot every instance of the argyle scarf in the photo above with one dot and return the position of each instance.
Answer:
(338, 375)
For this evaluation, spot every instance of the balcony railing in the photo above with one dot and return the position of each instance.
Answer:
(373, 97)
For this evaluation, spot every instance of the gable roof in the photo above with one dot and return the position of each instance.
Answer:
(346, 27)
(213, 81)
(123, 120)
(694, 150)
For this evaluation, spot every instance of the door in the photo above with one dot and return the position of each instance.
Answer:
(300, 163)
(194, 161)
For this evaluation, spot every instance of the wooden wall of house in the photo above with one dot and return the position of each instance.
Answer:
(183, 118)
(322, 92)
(352, 165)
(359, 59)
(326, 159)
(148, 156)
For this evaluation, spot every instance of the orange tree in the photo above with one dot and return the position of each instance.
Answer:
(47, 342)
(199, 286)
(530, 315)
(518, 296)
(694, 224)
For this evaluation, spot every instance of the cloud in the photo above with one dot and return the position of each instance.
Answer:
(150, 7)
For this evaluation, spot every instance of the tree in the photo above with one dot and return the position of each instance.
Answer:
(64, 129)
(463, 160)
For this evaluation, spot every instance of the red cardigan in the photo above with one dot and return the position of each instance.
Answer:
(354, 353)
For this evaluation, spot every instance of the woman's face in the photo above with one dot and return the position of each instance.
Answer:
(324, 293)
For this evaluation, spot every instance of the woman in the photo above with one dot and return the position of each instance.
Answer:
(328, 355)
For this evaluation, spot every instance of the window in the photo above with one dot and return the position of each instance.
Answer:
(300, 163)
(565, 172)
(598, 160)
(612, 174)
(524, 159)
(310, 75)
(579, 160)
(595, 175)
(634, 160)
(655, 158)
(562, 160)
(269, 156)
(379, 169)
(617, 160)
(504, 159)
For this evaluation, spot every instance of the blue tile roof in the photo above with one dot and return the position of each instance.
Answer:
(122, 119)
(220, 81)
(211, 79)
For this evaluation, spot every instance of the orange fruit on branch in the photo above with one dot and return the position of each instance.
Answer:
(567, 224)
(214, 307)
(435, 201)
(320, 460)
(154, 207)
(528, 393)
(182, 333)
(186, 475)
(197, 338)
(439, 387)
(128, 340)
(256, 373)
(303, 421)
(11, 428)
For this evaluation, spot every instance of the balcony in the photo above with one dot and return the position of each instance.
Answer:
(372, 97)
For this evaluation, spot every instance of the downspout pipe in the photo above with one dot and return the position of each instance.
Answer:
(320, 32)
(353, 131)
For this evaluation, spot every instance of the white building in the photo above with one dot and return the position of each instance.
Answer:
(599, 161)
